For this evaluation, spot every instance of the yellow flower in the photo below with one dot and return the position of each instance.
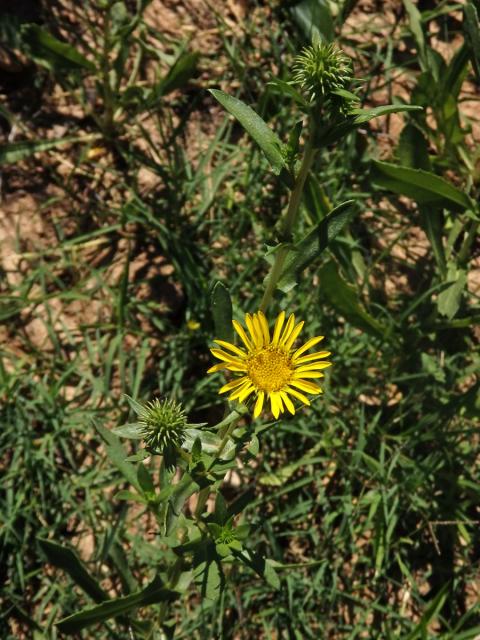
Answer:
(193, 325)
(268, 365)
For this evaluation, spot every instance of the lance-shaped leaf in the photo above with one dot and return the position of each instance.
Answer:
(222, 312)
(153, 593)
(448, 301)
(184, 69)
(422, 186)
(185, 487)
(267, 140)
(360, 116)
(262, 566)
(210, 442)
(472, 29)
(412, 150)
(118, 455)
(16, 151)
(50, 52)
(209, 578)
(180, 73)
(308, 249)
(332, 133)
(344, 298)
(314, 17)
(67, 560)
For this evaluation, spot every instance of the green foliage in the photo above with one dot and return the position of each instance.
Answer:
(313, 244)
(266, 139)
(153, 593)
(422, 186)
(222, 312)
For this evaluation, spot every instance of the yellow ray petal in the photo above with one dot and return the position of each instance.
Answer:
(288, 402)
(256, 340)
(217, 367)
(288, 329)
(241, 332)
(311, 356)
(300, 375)
(236, 366)
(308, 345)
(313, 366)
(257, 325)
(298, 395)
(223, 355)
(245, 393)
(232, 347)
(238, 392)
(233, 384)
(304, 385)
(265, 329)
(294, 335)
(280, 402)
(275, 404)
(259, 404)
(278, 328)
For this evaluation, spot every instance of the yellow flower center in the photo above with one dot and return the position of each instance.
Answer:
(270, 369)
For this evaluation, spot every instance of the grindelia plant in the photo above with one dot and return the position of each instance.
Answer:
(269, 372)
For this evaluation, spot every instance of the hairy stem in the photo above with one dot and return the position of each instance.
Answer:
(289, 221)
(205, 492)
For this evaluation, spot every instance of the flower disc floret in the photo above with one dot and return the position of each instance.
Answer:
(270, 369)
(267, 364)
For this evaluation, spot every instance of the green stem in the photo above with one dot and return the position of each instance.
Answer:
(464, 252)
(289, 220)
(174, 574)
(108, 98)
(205, 492)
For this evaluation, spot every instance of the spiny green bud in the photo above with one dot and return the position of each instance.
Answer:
(162, 425)
(321, 69)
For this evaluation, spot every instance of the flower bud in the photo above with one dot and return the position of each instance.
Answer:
(162, 425)
(322, 69)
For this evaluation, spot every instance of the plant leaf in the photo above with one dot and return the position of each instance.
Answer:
(415, 19)
(16, 151)
(222, 312)
(50, 52)
(422, 186)
(210, 579)
(331, 134)
(138, 408)
(448, 301)
(185, 487)
(210, 441)
(312, 246)
(145, 481)
(344, 298)
(281, 87)
(183, 69)
(117, 455)
(412, 150)
(314, 16)
(365, 115)
(471, 26)
(267, 140)
(67, 560)
(131, 430)
(262, 567)
(153, 593)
